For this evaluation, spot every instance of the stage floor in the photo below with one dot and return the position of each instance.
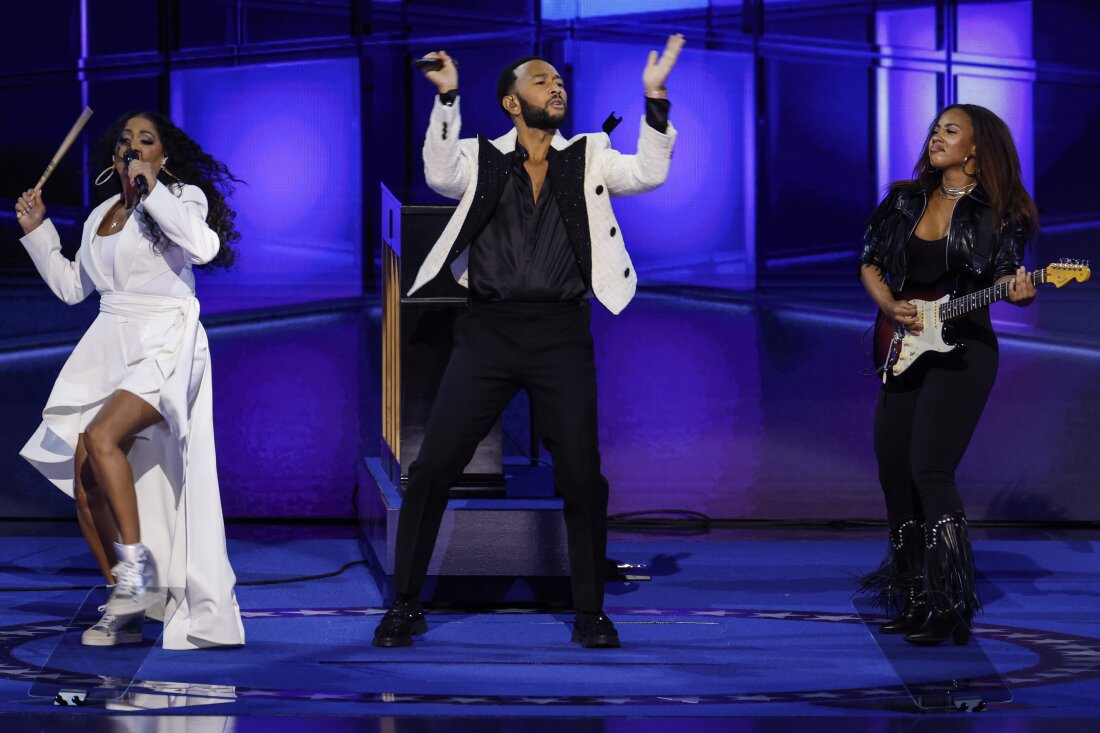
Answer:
(745, 623)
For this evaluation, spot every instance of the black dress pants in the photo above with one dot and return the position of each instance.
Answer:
(924, 421)
(546, 349)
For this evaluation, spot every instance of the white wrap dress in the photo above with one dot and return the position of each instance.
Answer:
(147, 340)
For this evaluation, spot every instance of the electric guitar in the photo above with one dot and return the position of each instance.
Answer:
(897, 348)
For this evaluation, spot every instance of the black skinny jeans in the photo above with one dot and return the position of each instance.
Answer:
(924, 421)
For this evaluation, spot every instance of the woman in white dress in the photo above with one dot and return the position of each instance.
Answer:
(128, 430)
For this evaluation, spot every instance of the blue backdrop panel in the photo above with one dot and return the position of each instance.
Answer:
(906, 94)
(819, 126)
(905, 103)
(570, 9)
(698, 227)
(998, 29)
(906, 28)
(292, 132)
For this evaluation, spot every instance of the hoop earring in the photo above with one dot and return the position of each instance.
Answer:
(104, 176)
(966, 159)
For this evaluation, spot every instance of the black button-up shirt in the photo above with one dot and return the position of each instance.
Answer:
(523, 254)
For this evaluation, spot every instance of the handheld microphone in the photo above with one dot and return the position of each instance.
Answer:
(427, 64)
(142, 185)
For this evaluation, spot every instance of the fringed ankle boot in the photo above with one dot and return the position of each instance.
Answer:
(897, 584)
(949, 584)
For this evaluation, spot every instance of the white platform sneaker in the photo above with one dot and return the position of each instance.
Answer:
(114, 630)
(135, 581)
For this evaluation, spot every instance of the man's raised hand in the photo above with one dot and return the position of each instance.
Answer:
(658, 69)
(446, 79)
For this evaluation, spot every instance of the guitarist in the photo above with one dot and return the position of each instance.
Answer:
(961, 224)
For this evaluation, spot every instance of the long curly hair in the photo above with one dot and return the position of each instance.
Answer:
(998, 170)
(189, 164)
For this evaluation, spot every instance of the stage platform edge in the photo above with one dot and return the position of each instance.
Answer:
(489, 551)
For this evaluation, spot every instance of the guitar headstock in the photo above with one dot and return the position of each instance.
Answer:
(1064, 271)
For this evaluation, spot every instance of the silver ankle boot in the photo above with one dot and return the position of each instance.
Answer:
(113, 630)
(135, 581)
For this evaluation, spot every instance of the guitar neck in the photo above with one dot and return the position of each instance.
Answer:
(963, 304)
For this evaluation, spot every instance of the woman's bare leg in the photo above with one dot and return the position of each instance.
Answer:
(106, 441)
(94, 515)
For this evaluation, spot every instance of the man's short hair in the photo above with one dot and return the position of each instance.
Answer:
(507, 79)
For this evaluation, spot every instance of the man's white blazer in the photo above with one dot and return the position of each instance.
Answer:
(585, 176)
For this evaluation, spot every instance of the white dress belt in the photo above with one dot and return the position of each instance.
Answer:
(175, 396)
(147, 307)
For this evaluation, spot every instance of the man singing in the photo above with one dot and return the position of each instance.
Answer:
(532, 236)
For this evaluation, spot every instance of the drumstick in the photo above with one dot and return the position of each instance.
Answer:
(65, 145)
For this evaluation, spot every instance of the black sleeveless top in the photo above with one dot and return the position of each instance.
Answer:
(927, 259)
(927, 263)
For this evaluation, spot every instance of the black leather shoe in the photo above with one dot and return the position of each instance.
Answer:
(941, 627)
(401, 622)
(595, 631)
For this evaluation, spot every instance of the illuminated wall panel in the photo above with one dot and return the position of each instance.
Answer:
(906, 96)
(906, 28)
(292, 132)
(995, 29)
(1011, 100)
(905, 105)
(698, 227)
(569, 9)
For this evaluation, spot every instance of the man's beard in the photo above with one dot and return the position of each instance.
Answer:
(539, 118)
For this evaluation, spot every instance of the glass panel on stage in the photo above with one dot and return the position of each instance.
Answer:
(152, 695)
(76, 674)
(937, 677)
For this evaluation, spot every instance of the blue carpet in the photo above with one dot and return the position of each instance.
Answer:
(732, 623)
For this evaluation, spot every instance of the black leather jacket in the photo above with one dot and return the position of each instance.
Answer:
(978, 251)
